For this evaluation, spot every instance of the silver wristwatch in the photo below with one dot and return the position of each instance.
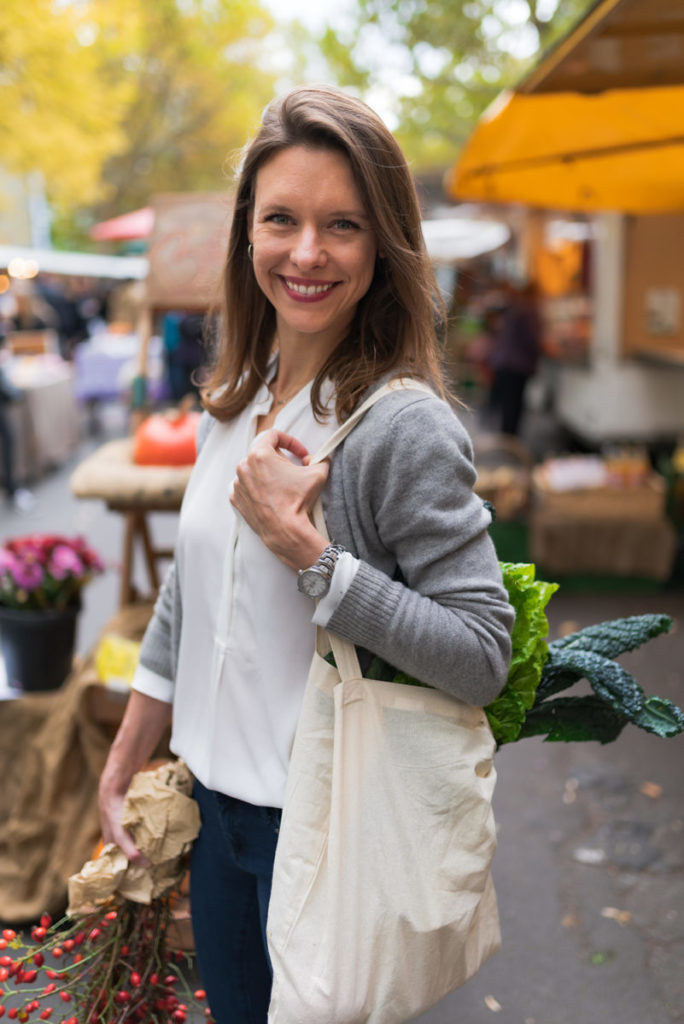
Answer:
(315, 581)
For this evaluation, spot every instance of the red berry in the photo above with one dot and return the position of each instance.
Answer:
(13, 1013)
(199, 993)
(68, 945)
(135, 979)
(3, 943)
(170, 979)
(4, 974)
(39, 959)
(179, 1016)
(57, 952)
(39, 934)
(50, 973)
(71, 1020)
(46, 1014)
(154, 979)
(2, 1010)
(30, 976)
(122, 996)
(45, 920)
(79, 937)
(6, 961)
(124, 950)
(65, 997)
(111, 915)
(9, 934)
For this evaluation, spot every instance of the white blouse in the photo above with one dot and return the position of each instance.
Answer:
(247, 637)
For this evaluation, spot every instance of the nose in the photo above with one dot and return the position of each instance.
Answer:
(307, 248)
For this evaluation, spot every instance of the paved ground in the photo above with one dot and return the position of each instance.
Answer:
(590, 865)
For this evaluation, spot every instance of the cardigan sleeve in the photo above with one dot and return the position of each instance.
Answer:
(436, 608)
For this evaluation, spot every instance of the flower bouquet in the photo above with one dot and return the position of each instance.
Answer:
(45, 571)
(110, 961)
(41, 579)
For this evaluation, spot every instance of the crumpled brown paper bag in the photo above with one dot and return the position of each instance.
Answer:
(163, 819)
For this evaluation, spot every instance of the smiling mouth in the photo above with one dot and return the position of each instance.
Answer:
(308, 291)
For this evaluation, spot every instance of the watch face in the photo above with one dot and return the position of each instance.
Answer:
(313, 583)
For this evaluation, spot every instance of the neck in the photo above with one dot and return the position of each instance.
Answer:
(299, 361)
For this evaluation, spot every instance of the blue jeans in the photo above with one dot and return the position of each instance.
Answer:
(230, 885)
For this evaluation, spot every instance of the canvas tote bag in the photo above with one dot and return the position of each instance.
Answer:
(382, 899)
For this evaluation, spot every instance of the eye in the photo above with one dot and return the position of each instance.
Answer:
(344, 224)
(277, 218)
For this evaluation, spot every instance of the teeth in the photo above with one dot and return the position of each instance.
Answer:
(308, 289)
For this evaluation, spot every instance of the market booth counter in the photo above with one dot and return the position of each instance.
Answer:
(44, 418)
(586, 520)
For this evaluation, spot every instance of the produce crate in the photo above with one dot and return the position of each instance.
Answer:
(602, 547)
(642, 502)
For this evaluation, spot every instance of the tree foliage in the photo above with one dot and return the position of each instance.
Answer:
(451, 58)
(113, 100)
(61, 112)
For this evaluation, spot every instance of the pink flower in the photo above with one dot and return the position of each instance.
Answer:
(29, 575)
(64, 562)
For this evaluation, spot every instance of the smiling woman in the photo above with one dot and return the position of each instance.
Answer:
(328, 295)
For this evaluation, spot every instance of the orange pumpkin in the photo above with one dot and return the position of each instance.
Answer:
(166, 439)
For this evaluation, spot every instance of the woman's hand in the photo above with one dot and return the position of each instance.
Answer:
(143, 725)
(111, 802)
(275, 497)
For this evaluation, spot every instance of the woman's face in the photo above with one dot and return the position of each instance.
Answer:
(314, 249)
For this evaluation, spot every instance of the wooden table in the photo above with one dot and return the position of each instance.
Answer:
(133, 491)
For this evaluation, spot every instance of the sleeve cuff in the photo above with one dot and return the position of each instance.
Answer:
(346, 568)
(152, 684)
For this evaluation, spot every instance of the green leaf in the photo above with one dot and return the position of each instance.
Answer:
(609, 680)
(529, 598)
(661, 717)
(616, 636)
(568, 719)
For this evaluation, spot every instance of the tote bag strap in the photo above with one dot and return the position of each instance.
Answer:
(346, 658)
(398, 384)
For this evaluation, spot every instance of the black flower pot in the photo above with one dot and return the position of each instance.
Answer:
(37, 647)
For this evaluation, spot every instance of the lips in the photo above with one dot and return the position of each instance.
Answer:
(307, 291)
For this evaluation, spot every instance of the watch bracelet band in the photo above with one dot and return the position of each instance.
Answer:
(327, 559)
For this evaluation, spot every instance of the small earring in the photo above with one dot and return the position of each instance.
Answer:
(250, 252)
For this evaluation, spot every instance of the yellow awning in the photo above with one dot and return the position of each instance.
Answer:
(555, 142)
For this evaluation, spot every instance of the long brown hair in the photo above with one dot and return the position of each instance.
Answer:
(394, 327)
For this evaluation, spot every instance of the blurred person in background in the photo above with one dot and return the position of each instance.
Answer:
(514, 356)
(18, 498)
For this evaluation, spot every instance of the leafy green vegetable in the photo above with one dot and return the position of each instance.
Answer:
(569, 719)
(661, 717)
(615, 637)
(539, 669)
(529, 598)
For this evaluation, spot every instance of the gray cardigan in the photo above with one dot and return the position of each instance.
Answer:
(428, 595)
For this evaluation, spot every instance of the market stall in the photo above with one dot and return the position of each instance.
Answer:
(593, 137)
(44, 419)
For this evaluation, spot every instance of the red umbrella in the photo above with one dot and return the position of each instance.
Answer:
(137, 224)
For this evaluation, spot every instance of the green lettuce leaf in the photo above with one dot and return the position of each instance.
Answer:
(529, 598)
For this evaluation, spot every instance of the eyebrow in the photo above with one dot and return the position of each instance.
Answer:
(340, 214)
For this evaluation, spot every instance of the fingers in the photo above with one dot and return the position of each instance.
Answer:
(277, 439)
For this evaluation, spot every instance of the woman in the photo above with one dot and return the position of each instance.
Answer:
(328, 291)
